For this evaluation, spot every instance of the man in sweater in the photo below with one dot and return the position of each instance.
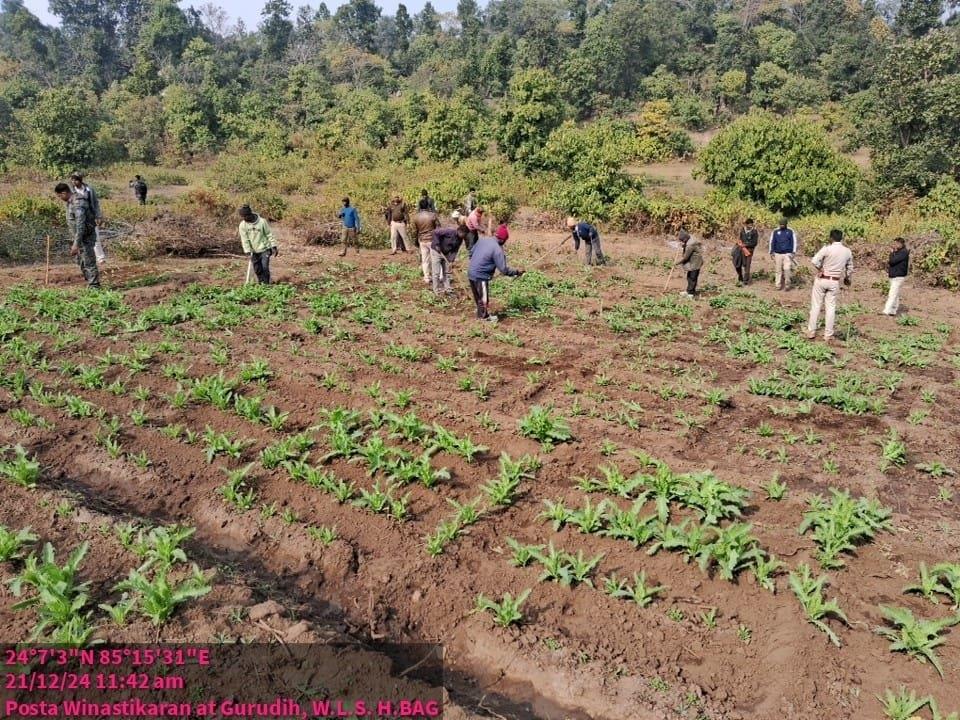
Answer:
(486, 258)
(443, 251)
(834, 264)
(898, 265)
(424, 223)
(591, 240)
(783, 248)
(258, 242)
(692, 261)
(397, 217)
(351, 226)
(743, 251)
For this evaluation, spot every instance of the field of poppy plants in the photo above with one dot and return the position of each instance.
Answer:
(612, 498)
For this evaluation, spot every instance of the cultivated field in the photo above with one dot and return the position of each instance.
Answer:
(660, 474)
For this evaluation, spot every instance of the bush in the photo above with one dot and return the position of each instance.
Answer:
(658, 138)
(944, 199)
(786, 164)
(62, 127)
(532, 110)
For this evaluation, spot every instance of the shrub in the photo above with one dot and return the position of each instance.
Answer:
(944, 199)
(786, 164)
(658, 138)
(531, 111)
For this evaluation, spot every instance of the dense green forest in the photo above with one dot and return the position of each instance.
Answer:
(562, 96)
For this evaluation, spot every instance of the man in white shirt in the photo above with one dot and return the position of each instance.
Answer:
(834, 263)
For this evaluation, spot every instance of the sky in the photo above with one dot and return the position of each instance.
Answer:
(249, 10)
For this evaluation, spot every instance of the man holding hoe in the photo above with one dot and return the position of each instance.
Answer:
(486, 258)
(258, 241)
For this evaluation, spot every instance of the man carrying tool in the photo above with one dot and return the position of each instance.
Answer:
(350, 218)
(397, 217)
(443, 251)
(474, 222)
(82, 223)
(424, 223)
(783, 247)
(139, 186)
(743, 251)
(591, 240)
(692, 261)
(897, 266)
(834, 263)
(486, 258)
(258, 241)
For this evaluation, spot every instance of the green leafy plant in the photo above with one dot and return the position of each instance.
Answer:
(809, 592)
(502, 490)
(21, 470)
(918, 638)
(11, 543)
(58, 596)
(901, 705)
(543, 425)
(639, 592)
(158, 597)
(840, 524)
(893, 451)
(507, 611)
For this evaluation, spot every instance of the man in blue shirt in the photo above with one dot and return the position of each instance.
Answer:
(351, 226)
(591, 238)
(783, 246)
(486, 257)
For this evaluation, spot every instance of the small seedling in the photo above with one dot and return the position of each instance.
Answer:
(507, 611)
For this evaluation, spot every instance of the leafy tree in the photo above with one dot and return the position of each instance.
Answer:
(912, 113)
(496, 64)
(532, 109)
(777, 89)
(276, 28)
(786, 164)
(404, 25)
(915, 18)
(468, 15)
(452, 129)
(356, 22)
(62, 126)
(137, 124)
(166, 33)
(658, 137)
(189, 121)
(428, 20)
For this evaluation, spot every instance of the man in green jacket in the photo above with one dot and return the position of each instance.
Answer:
(82, 222)
(258, 242)
(692, 261)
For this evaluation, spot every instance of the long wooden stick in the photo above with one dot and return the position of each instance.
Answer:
(670, 276)
(46, 274)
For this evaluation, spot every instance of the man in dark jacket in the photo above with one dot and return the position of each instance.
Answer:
(397, 217)
(783, 248)
(139, 186)
(431, 204)
(743, 251)
(486, 258)
(692, 261)
(443, 251)
(591, 239)
(82, 223)
(424, 223)
(898, 264)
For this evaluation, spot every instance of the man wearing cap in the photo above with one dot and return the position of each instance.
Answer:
(431, 205)
(692, 261)
(743, 251)
(444, 247)
(397, 218)
(258, 242)
(591, 240)
(486, 258)
(82, 225)
(351, 226)
(424, 223)
(783, 247)
(898, 265)
(834, 264)
(474, 221)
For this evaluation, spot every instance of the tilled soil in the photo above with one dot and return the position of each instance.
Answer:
(578, 653)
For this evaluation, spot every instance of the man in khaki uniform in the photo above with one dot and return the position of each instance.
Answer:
(424, 223)
(835, 265)
(397, 217)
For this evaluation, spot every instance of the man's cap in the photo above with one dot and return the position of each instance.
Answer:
(244, 210)
(571, 222)
(502, 234)
(76, 176)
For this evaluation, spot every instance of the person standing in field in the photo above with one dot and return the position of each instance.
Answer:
(258, 242)
(470, 202)
(591, 241)
(474, 223)
(397, 217)
(431, 205)
(834, 263)
(82, 225)
(783, 248)
(350, 232)
(898, 264)
(443, 251)
(743, 251)
(691, 260)
(139, 186)
(88, 194)
(424, 223)
(486, 258)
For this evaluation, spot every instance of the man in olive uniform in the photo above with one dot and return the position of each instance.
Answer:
(82, 223)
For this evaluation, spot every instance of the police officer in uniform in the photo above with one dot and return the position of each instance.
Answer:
(82, 223)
